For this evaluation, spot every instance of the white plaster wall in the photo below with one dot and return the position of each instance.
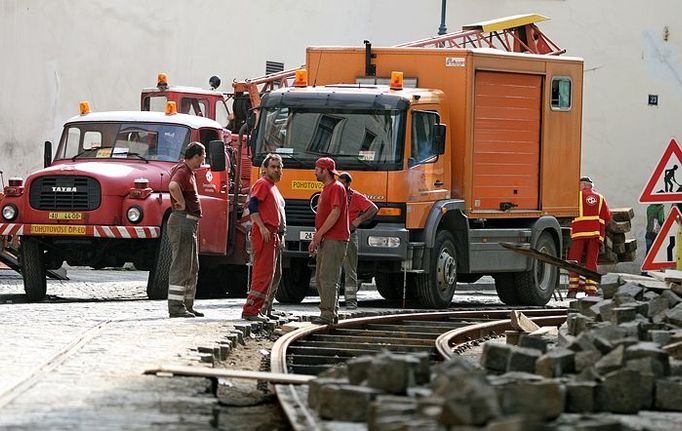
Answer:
(58, 52)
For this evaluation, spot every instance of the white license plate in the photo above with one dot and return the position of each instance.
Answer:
(306, 235)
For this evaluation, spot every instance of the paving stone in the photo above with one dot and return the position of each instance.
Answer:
(619, 392)
(315, 388)
(669, 394)
(392, 373)
(622, 298)
(583, 342)
(543, 399)
(657, 305)
(533, 342)
(512, 337)
(676, 367)
(608, 330)
(523, 359)
(609, 284)
(631, 329)
(580, 396)
(651, 351)
(358, 369)
(631, 289)
(345, 402)
(672, 297)
(612, 361)
(555, 363)
(674, 350)
(623, 314)
(578, 323)
(469, 400)
(388, 406)
(649, 295)
(604, 309)
(495, 356)
(515, 423)
(674, 315)
(586, 359)
(586, 305)
(602, 344)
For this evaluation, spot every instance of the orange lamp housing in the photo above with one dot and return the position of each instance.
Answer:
(15, 187)
(388, 211)
(141, 189)
(162, 81)
(171, 108)
(396, 80)
(301, 78)
(84, 107)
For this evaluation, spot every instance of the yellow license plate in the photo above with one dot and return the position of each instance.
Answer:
(65, 216)
(52, 229)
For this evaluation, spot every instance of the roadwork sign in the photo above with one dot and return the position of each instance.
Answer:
(665, 184)
(663, 253)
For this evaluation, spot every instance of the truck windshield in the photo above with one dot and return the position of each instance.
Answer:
(123, 140)
(356, 139)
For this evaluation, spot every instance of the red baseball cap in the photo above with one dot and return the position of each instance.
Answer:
(327, 163)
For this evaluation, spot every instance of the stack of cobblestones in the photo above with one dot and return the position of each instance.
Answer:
(618, 354)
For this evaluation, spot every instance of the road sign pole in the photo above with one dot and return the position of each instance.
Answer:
(679, 246)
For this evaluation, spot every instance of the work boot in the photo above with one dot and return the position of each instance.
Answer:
(572, 293)
(318, 320)
(196, 313)
(181, 313)
(351, 305)
(592, 293)
(255, 318)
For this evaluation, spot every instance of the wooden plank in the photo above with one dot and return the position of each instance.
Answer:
(294, 379)
(520, 322)
(543, 257)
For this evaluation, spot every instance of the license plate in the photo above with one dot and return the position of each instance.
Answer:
(52, 229)
(65, 216)
(306, 235)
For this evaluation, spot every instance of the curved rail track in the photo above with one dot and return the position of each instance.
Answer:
(313, 349)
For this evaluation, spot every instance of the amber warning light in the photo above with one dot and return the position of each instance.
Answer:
(396, 80)
(171, 109)
(162, 81)
(84, 107)
(301, 79)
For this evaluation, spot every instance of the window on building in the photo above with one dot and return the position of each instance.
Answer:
(561, 94)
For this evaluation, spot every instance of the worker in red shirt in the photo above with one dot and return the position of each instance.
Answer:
(360, 210)
(266, 216)
(587, 235)
(330, 240)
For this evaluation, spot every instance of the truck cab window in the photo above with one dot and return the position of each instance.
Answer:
(193, 106)
(221, 113)
(422, 126)
(561, 94)
(155, 103)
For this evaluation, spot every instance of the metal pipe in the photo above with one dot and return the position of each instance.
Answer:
(442, 29)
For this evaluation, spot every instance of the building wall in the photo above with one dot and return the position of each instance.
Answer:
(59, 52)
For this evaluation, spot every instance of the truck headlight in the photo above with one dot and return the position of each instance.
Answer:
(9, 212)
(134, 214)
(383, 241)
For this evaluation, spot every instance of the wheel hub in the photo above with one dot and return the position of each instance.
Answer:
(447, 270)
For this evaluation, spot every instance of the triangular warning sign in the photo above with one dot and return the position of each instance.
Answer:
(665, 184)
(663, 253)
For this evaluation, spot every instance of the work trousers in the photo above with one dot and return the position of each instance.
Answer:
(350, 268)
(589, 249)
(263, 270)
(184, 269)
(330, 255)
(276, 277)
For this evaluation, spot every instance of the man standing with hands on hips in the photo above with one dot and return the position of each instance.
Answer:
(360, 210)
(267, 215)
(182, 233)
(330, 240)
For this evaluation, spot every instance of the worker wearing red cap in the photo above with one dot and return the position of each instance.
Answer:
(587, 235)
(331, 239)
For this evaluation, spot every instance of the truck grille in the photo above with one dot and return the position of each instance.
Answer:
(65, 193)
(298, 213)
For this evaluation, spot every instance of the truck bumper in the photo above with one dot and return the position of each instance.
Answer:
(122, 232)
(395, 234)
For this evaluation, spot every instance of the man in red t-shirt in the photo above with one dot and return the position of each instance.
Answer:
(330, 240)
(360, 210)
(267, 215)
(182, 233)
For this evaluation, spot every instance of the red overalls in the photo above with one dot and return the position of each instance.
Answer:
(587, 234)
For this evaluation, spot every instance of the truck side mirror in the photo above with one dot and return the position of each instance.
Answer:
(216, 151)
(438, 138)
(47, 154)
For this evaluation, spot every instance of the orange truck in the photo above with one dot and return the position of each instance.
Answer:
(460, 147)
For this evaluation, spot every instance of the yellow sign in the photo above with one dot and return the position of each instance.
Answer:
(65, 216)
(56, 229)
(306, 185)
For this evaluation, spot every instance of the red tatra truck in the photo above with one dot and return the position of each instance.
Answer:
(103, 200)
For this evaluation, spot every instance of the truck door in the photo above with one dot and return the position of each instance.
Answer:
(429, 181)
(506, 151)
(212, 188)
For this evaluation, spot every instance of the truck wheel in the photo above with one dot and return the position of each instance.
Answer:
(436, 287)
(506, 288)
(157, 283)
(535, 287)
(294, 283)
(389, 284)
(33, 268)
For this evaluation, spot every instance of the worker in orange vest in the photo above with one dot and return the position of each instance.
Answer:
(587, 235)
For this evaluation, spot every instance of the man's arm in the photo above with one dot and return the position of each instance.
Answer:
(363, 217)
(176, 192)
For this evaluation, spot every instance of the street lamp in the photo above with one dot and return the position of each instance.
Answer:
(442, 29)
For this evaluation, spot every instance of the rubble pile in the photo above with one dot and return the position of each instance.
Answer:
(620, 354)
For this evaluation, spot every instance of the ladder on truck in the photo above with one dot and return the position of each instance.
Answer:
(518, 33)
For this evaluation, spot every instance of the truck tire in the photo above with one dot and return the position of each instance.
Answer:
(535, 287)
(436, 286)
(506, 288)
(389, 284)
(33, 268)
(294, 283)
(157, 283)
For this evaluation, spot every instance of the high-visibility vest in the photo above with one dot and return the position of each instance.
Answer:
(593, 218)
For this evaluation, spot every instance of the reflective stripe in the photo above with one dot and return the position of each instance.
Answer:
(582, 218)
(594, 234)
(172, 297)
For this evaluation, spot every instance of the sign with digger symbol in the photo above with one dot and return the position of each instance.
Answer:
(663, 253)
(665, 184)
